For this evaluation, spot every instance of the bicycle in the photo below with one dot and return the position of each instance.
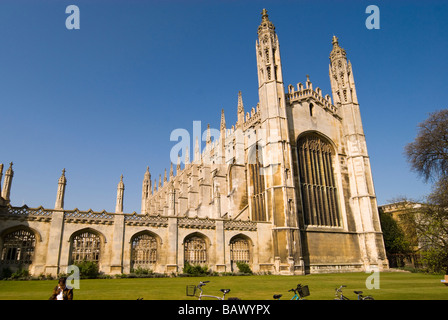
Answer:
(340, 296)
(299, 293)
(192, 291)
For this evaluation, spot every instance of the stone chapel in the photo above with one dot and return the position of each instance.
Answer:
(287, 189)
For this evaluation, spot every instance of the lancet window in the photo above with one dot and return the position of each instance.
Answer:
(256, 179)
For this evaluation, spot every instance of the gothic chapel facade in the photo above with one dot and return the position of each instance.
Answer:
(288, 189)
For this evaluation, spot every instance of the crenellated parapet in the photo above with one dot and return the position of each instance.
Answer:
(146, 220)
(25, 213)
(90, 216)
(252, 119)
(305, 93)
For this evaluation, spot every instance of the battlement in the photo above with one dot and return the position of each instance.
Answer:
(251, 118)
(304, 93)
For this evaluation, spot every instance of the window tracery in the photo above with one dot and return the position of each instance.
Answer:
(317, 181)
(258, 185)
(86, 246)
(18, 247)
(144, 251)
(239, 250)
(195, 250)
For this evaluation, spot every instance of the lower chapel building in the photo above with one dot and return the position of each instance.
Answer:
(288, 189)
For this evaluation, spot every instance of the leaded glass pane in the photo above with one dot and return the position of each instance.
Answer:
(144, 251)
(195, 251)
(18, 247)
(86, 246)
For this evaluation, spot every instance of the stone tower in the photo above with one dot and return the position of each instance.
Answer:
(363, 199)
(276, 161)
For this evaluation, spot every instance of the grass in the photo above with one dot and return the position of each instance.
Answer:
(393, 286)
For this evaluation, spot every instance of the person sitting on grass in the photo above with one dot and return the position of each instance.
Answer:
(61, 291)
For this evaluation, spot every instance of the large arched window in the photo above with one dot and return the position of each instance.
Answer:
(144, 251)
(86, 246)
(195, 250)
(257, 184)
(18, 247)
(317, 181)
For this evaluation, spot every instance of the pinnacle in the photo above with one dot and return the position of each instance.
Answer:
(335, 40)
(240, 102)
(337, 51)
(264, 14)
(223, 120)
(265, 23)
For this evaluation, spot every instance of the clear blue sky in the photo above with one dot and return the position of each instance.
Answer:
(102, 101)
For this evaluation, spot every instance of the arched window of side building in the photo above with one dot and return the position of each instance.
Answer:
(195, 250)
(18, 247)
(144, 251)
(239, 251)
(86, 246)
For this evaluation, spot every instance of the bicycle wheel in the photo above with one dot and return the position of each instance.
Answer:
(368, 298)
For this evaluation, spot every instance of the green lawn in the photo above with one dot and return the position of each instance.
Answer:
(393, 286)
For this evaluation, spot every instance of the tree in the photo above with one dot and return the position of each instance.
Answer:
(428, 156)
(428, 153)
(431, 226)
(395, 240)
